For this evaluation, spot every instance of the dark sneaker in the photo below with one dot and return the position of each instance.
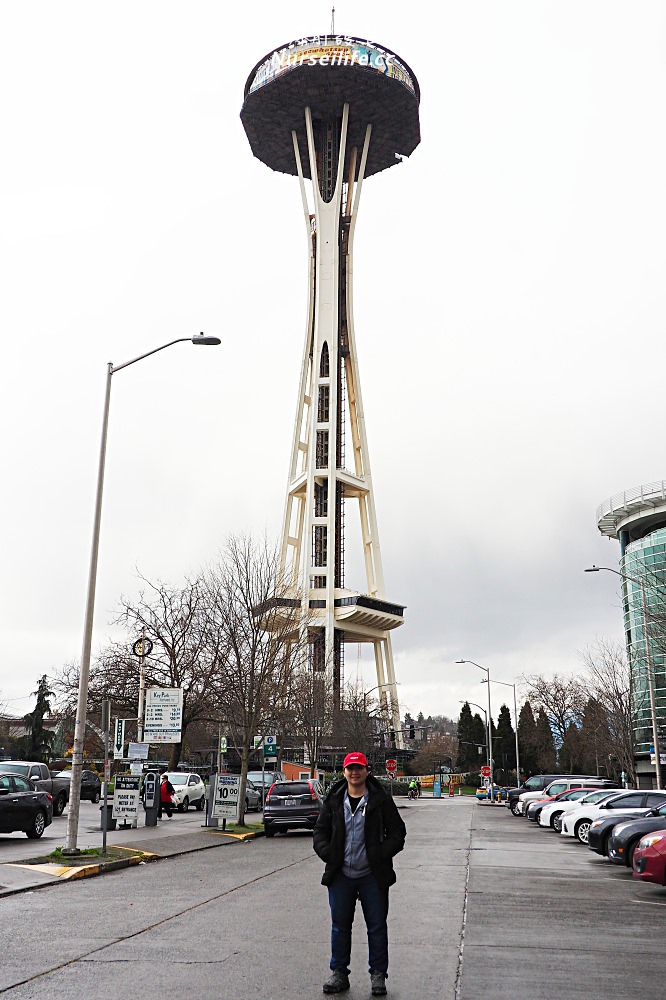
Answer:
(378, 983)
(338, 982)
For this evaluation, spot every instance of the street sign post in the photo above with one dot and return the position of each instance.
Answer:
(485, 771)
(270, 746)
(118, 738)
(391, 766)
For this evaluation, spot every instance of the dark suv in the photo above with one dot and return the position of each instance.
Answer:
(292, 805)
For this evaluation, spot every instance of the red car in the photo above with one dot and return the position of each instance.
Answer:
(650, 858)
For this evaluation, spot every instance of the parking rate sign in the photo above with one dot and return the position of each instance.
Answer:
(164, 715)
(226, 801)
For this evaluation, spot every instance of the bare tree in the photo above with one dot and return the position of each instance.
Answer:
(610, 684)
(174, 618)
(255, 628)
(562, 699)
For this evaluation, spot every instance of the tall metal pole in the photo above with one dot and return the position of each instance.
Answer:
(640, 583)
(84, 675)
(515, 716)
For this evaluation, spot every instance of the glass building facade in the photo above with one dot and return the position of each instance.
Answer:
(645, 560)
(637, 519)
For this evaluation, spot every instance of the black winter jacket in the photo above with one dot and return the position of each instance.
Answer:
(384, 832)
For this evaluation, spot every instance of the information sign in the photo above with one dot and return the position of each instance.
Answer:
(118, 738)
(138, 751)
(270, 746)
(126, 797)
(226, 799)
(223, 744)
(164, 715)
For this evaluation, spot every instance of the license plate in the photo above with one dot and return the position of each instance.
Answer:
(290, 802)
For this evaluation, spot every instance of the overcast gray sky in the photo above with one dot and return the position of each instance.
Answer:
(510, 302)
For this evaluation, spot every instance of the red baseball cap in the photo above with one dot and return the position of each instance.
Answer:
(355, 758)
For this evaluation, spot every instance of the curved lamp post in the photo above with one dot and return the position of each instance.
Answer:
(648, 660)
(489, 722)
(84, 676)
(515, 716)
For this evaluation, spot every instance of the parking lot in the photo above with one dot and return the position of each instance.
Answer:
(487, 906)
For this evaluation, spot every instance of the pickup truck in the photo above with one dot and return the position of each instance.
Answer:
(41, 778)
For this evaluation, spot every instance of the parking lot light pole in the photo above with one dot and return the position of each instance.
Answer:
(489, 726)
(515, 716)
(648, 660)
(84, 675)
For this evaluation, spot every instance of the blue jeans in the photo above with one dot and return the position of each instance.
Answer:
(342, 896)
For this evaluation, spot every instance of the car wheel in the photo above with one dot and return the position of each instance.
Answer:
(59, 806)
(582, 830)
(184, 805)
(514, 807)
(201, 804)
(556, 818)
(38, 826)
(95, 797)
(629, 855)
(269, 831)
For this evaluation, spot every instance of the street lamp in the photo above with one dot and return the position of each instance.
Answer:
(648, 660)
(84, 676)
(515, 716)
(489, 722)
(377, 687)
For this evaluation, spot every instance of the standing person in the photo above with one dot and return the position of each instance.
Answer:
(358, 833)
(166, 797)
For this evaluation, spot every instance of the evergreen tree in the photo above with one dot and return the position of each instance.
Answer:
(528, 741)
(505, 742)
(546, 753)
(37, 742)
(467, 756)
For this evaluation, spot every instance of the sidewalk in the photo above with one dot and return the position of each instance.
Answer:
(126, 847)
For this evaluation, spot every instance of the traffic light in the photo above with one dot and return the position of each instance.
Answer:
(412, 733)
(392, 737)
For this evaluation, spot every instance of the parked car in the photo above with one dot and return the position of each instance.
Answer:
(552, 813)
(91, 786)
(625, 836)
(292, 805)
(650, 858)
(189, 790)
(253, 796)
(561, 784)
(601, 831)
(537, 783)
(23, 807)
(578, 822)
(264, 779)
(40, 778)
(534, 809)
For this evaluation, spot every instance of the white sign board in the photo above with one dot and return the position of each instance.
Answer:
(126, 797)
(226, 800)
(138, 751)
(164, 715)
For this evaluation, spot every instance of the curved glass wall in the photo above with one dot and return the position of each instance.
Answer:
(645, 559)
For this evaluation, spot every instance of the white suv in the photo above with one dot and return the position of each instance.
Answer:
(189, 790)
(577, 823)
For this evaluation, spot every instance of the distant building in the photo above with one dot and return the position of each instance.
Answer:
(637, 519)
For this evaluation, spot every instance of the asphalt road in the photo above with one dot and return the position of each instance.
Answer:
(486, 907)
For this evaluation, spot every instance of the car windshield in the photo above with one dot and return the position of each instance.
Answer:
(599, 795)
(291, 788)
(14, 768)
(177, 779)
